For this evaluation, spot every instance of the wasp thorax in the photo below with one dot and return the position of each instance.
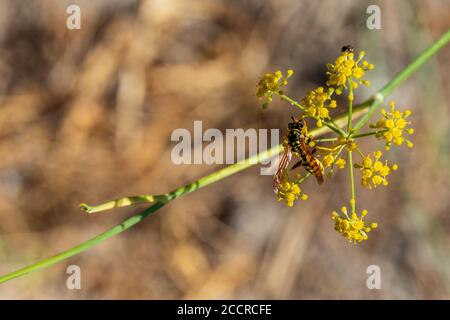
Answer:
(294, 135)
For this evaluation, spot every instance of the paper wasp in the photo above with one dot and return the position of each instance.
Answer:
(297, 143)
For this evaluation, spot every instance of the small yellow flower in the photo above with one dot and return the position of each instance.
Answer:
(374, 172)
(290, 192)
(392, 126)
(352, 145)
(270, 84)
(353, 228)
(340, 163)
(328, 160)
(346, 67)
(317, 103)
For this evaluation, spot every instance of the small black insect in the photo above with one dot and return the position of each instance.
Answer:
(347, 48)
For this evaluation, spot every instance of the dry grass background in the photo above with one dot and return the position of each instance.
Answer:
(86, 116)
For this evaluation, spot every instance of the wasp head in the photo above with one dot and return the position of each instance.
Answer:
(296, 124)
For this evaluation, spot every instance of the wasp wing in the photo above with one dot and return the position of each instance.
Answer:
(283, 164)
(319, 174)
(315, 166)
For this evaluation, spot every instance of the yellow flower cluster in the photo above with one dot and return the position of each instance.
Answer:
(340, 163)
(344, 75)
(374, 172)
(290, 192)
(271, 83)
(346, 67)
(353, 228)
(351, 145)
(328, 160)
(392, 127)
(317, 103)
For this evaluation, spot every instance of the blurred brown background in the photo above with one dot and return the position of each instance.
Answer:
(86, 116)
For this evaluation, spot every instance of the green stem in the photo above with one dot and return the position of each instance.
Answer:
(341, 132)
(330, 125)
(123, 202)
(339, 152)
(404, 74)
(291, 101)
(326, 140)
(350, 105)
(128, 223)
(365, 134)
(301, 179)
(360, 153)
(352, 181)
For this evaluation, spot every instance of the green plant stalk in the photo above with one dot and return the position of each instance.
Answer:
(402, 76)
(350, 106)
(371, 104)
(301, 179)
(122, 202)
(366, 134)
(326, 140)
(128, 223)
(341, 132)
(361, 154)
(338, 153)
(352, 181)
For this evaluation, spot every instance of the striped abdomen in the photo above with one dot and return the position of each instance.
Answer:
(311, 164)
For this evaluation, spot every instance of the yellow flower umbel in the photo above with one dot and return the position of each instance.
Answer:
(374, 172)
(353, 228)
(346, 67)
(392, 127)
(324, 156)
(317, 103)
(270, 84)
(290, 192)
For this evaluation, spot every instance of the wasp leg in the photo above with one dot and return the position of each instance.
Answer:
(313, 150)
(308, 140)
(328, 149)
(298, 164)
